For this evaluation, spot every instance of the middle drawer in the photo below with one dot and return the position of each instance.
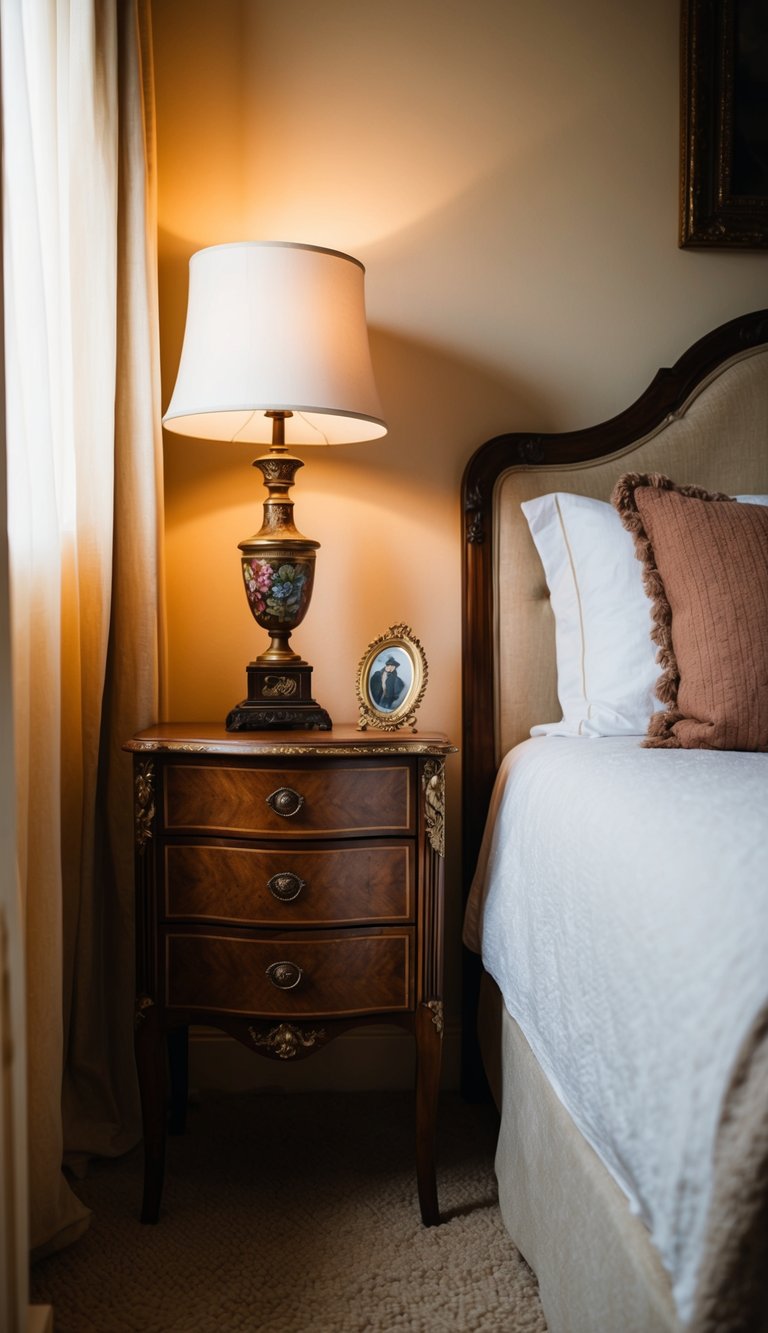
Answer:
(264, 884)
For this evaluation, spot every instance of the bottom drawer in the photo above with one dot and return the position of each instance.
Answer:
(349, 972)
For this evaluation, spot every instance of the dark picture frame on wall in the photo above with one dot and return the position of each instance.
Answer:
(724, 123)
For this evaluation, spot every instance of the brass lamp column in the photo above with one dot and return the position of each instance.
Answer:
(276, 351)
(278, 572)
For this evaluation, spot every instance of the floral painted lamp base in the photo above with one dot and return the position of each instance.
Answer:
(278, 585)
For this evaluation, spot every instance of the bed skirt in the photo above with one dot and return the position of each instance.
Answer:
(596, 1266)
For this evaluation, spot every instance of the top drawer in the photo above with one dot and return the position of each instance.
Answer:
(343, 800)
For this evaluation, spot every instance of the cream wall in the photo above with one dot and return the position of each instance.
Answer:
(508, 173)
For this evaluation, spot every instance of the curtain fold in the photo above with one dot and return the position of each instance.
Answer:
(85, 550)
(14, 1283)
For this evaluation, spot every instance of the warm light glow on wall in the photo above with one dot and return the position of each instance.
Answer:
(224, 168)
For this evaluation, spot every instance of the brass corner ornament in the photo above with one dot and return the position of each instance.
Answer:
(141, 1008)
(436, 1009)
(144, 804)
(286, 1040)
(391, 680)
(433, 785)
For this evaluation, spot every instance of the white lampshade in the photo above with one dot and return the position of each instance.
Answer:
(272, 325)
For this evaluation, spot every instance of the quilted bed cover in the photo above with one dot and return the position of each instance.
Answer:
(621, 905)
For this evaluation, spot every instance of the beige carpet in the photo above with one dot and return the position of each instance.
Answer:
(297, 1214)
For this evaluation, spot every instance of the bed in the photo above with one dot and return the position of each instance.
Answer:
(616, 977)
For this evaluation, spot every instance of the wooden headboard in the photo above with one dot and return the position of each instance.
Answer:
(702, 421)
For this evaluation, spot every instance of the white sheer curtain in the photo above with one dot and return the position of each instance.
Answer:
(13, 1096)
(84, 525)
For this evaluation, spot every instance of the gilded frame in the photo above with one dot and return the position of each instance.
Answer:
(724, 124)
(398, 653)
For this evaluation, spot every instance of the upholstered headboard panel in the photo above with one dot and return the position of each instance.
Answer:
(702, 421)
(717, 439)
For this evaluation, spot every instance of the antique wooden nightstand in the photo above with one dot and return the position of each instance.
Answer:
(289, 885)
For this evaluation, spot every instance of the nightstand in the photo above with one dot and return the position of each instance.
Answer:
(289, 885)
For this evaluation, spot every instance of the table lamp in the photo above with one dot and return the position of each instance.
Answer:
(276, 352)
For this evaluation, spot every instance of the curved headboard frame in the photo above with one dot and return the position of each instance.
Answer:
(668, 395)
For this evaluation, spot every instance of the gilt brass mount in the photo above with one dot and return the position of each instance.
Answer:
(287, 1040)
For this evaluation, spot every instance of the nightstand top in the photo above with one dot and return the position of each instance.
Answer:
(341, 742)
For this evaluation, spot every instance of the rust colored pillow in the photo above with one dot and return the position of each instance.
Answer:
(705, 568)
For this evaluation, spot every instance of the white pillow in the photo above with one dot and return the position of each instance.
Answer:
(606, 662)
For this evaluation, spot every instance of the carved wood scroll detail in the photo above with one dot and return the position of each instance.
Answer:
(473, 506)
(526, 449)
(144, 806)
(433, 784)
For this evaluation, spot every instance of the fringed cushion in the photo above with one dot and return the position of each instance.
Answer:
(705, 568)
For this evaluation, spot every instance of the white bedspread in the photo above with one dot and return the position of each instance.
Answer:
(621, 905)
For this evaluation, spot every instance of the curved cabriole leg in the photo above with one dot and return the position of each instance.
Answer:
(150, 1066)
(429, 1050)
(178, 1061)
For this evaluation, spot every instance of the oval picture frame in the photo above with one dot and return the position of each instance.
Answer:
(391, 680)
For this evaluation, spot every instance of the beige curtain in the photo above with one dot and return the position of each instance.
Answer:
(14, 1286)
(84, 525)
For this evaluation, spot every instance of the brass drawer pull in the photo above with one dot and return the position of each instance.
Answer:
(285, 886)
(284, 975)
(285, 802)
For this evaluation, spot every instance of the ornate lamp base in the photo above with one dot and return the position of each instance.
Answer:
(278, 568)
(279, 698)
